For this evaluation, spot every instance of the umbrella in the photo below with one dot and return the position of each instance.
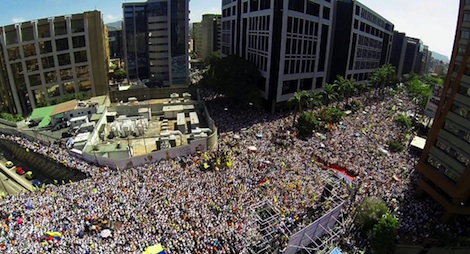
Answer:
(357, 134)
(259, 135)
(105, 233)
(236, 136)
(252, 148)
(37, 183)
(155, 249)
(29, 175)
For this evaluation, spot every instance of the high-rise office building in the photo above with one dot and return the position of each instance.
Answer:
(156, 41)
(445, 162)
(43, 60)
(397, 56)
(362, 41)
(412, 52)
(288, 41)
(207, 35)
(115, 43)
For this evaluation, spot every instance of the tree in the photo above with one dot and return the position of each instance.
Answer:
(369, 212)
(420, 92)
(315, 100)
(345, 87)
(299, 100)
(383, 77)
(329, 94)
(308, 122)
(384, 234)
(234, 77)
(120, 74)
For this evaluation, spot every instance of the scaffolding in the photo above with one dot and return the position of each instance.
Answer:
(326, 227)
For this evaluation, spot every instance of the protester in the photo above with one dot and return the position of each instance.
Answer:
(189, 210)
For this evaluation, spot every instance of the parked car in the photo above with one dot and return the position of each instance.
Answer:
(9, 164)
(20, 171)
(29, 175)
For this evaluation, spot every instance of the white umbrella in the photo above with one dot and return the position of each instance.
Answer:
(105, 233)
(252, 148)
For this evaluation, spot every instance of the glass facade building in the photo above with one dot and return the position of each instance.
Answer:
(156, 41)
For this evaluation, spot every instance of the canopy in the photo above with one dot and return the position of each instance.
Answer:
(155, 249)
(418, 142)
(105, 233)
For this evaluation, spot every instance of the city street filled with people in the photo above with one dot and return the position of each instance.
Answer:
(189, 210)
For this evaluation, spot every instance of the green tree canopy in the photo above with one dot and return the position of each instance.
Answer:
(384, 234)
(369, 212)
(382, 77)
(234, 77)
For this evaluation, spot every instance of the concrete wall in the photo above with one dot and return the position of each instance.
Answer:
(149, 93)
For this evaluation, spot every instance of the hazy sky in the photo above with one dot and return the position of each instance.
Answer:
(433, 21)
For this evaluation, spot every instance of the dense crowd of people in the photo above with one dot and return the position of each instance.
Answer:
(187, 210)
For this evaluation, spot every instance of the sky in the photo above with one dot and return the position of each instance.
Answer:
(432, 21)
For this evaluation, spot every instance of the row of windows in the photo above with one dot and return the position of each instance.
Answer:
(54, 91)
(463, 112)
(299, 66)
(301, 47)
(261, 62)
(46, 47)
(300, 26)
(441, 168)
(358, 76)
(258, 42)
(44, 31)
(360, 65)
(453, 152)
(260, 23)
(365, 14)
(64, 74)
(227, 12)
(368, 53)
(292, 86)
(256, 5)
(364, 27)
(48, 61)
(461, 134)
(309, 7)
(369, 42)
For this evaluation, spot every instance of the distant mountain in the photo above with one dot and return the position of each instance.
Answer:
(440, 57)
(117, 25)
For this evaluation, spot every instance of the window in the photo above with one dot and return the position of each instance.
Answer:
(297, 5)
(465, 34)
(289, 86)
(68, 88)
(60, 28)
(319, 83)
(44, 31)
(11, 37)
(326, 13)
(50, 77)
(253, 5)
(53, 91)
(29, 50)
(82, 71)
(78, 42)
(62, 44)
(66, 74)
(32, 65)
(157, 9)
(45, 47)
(47, 62)
(80, 56)
(27, 34)
(13, 53)
(34, 80)
(64, 59)
(84, 85)
(313, 9)
(306, 84)
(39, 98)
(77, 26)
